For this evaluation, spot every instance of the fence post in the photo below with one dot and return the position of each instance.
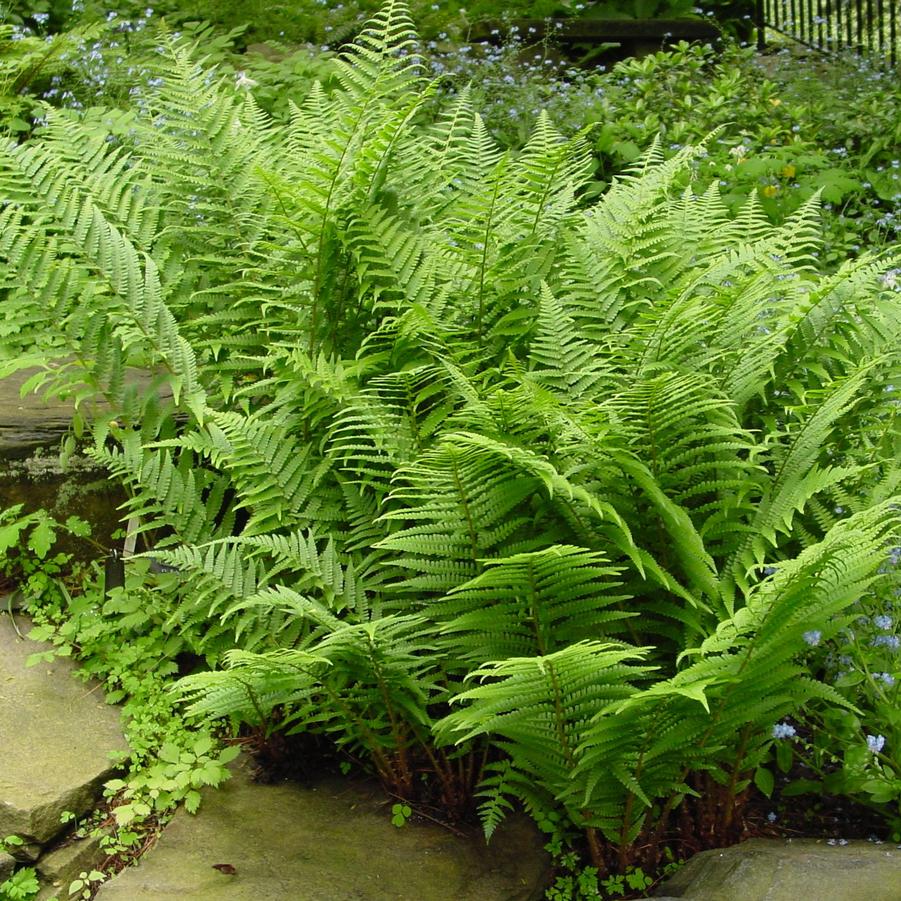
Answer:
(760, 21)
(113, 572)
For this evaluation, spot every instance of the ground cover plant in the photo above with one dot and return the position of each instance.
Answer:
(790, 124)
(515, 494)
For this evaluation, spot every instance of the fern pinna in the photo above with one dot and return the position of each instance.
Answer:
(513, 496)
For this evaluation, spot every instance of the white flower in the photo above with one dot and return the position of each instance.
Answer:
(243, 81)
(890, 279)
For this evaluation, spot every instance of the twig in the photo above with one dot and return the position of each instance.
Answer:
(421, 813)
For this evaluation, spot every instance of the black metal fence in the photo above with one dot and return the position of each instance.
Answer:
(871, 27)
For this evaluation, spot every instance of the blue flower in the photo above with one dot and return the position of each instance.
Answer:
(783, 730)
(882, 622)
(875, 743)
(813, 637)
(886, 641)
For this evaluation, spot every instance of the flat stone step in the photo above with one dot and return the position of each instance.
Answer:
(332, 842)
(774, 870)
(29, 422)
(36, 421)
(56, 737)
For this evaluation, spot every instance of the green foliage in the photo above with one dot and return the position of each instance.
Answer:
(853, 751)
(122, 640)
(501, 489)
(28, 64)
(26, 543)
(400, 813)
(86, 884)
(120, 637)
(177, 776)
(21, 886)
(792, 124)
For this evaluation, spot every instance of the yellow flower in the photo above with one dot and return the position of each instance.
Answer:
(788, 171)
(775, 101)
(770, 191)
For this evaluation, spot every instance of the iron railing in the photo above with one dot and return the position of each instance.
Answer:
(870, 27)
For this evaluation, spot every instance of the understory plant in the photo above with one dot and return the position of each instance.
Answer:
(515, 496)
(791, 123)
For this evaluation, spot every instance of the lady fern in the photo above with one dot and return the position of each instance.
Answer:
(475, 478)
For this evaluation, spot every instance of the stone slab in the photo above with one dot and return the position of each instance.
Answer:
(56, 737)
(7, 865)
(59, 867)
(773, 870)
(30, 421)
(331, 842)
(34, 420)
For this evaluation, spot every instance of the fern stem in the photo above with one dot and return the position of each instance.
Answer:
(464, 503)
(596, 850)
(483, 263)
(320, 247)
(397, 733)
(560, 725)
(729, 813)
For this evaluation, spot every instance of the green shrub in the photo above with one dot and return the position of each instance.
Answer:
(503, 492)
(788, 124)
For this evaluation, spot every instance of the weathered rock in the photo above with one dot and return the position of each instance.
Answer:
(39, 421)
(27, 853)
(28, 422)
(333, 842)
(7, 865)
(59, 867)
(82, 489)
(769, 870)
(56, 737)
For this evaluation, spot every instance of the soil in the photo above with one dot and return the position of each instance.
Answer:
(301, 758)
(812, 816)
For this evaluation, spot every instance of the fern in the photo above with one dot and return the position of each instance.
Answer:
(470, 475)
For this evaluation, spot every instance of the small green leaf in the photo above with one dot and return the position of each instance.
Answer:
(9, 535)
(78, 526)
(124, 814)
(227, 755)
(192, 801)
(800, 787)
(784, 756)
(170, 752)
(41, 538)
(764, 780)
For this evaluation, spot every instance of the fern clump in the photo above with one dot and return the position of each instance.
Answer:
(532, 496)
